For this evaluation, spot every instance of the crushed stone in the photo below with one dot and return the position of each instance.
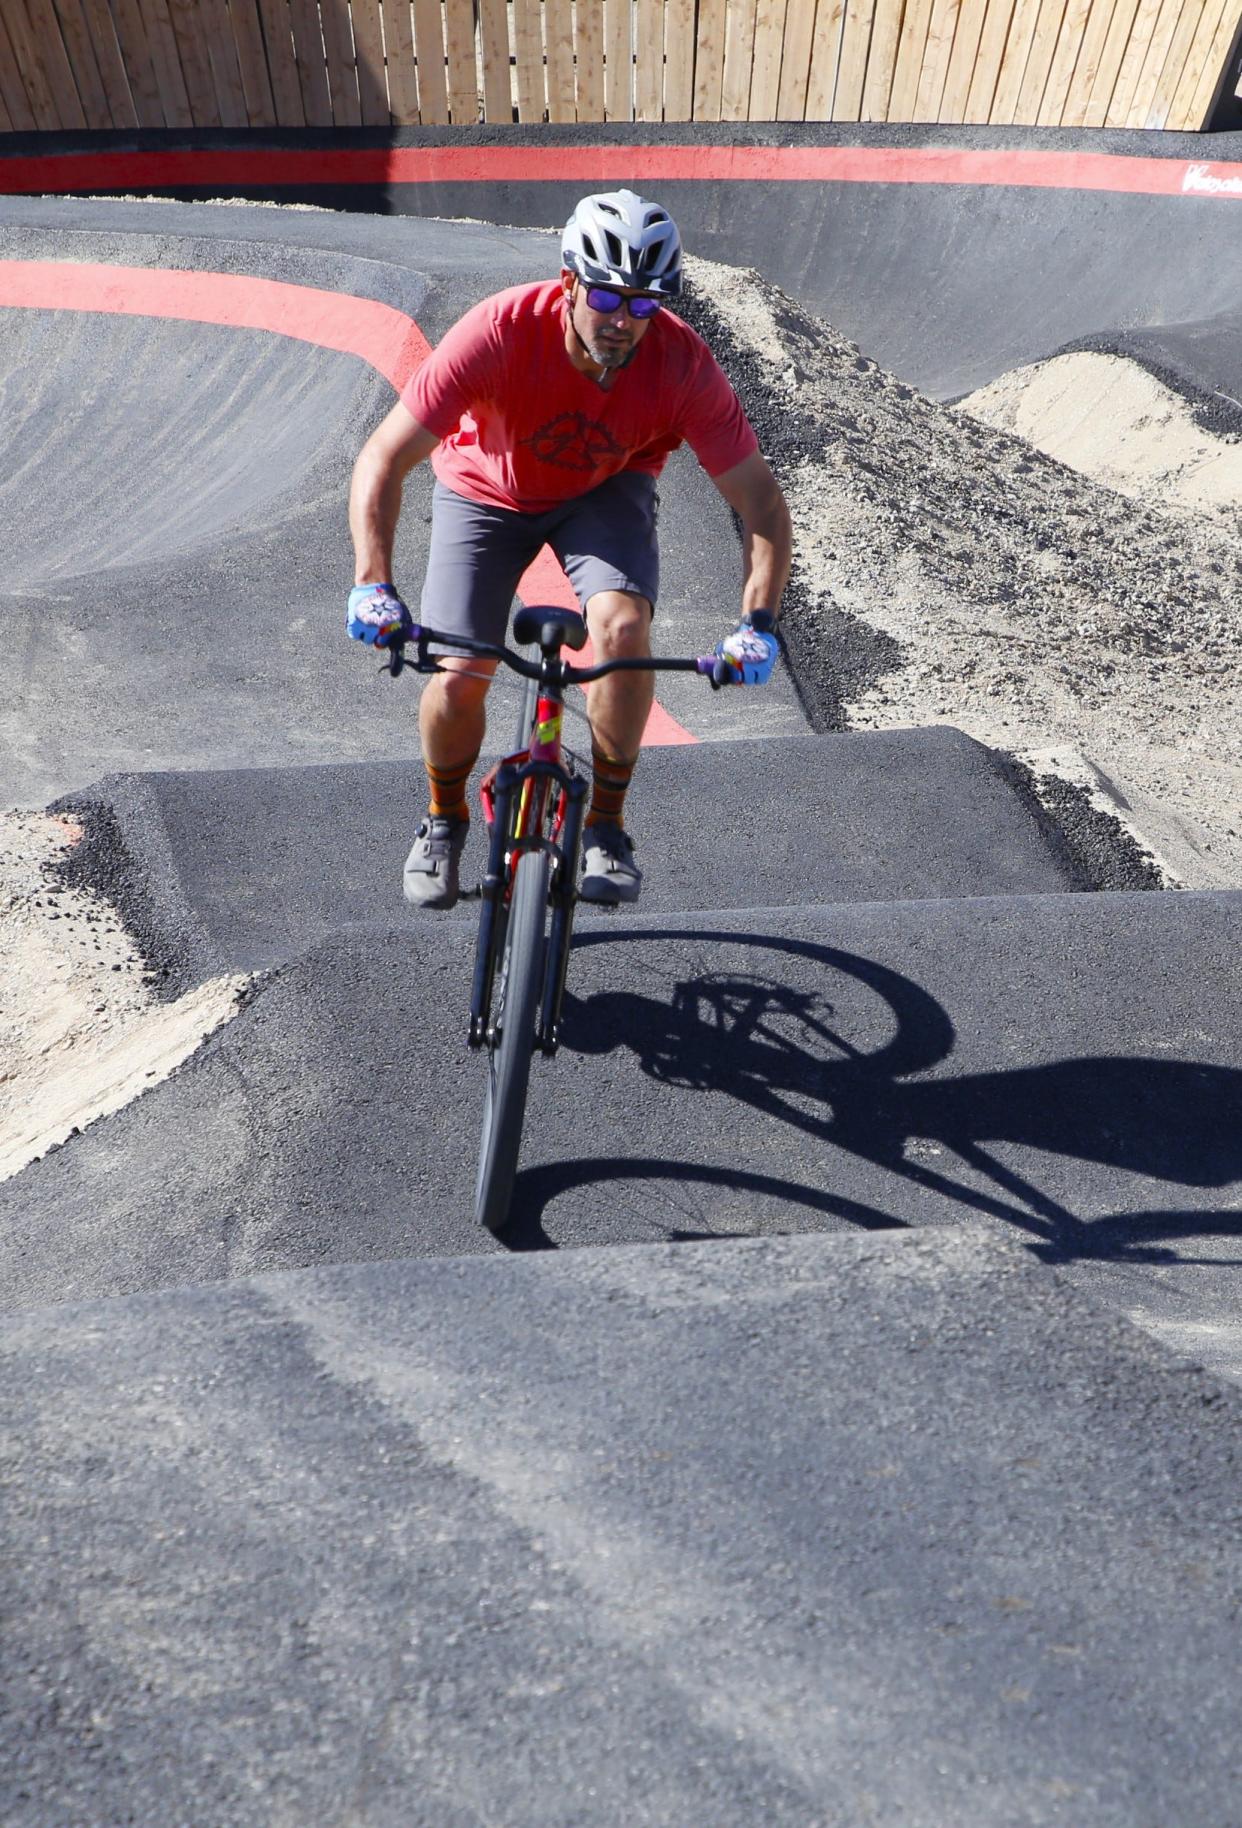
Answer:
(987, 585)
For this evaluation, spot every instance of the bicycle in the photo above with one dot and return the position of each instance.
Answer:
(534, 802)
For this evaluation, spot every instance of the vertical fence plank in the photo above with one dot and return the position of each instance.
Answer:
(962, 60)
(937, 55)
(429, 53)
(528, 49)
(855, 48)
(649, 60)
(738, 60)
(494, 46)
(558, 23)
(111, 64)
(312, 69)
(399, 52)
(1110, 62)
(189, 50)
(1039, 62)
(679, 60)
(1083, 80)
(882, 59)
(1013, 64)
(1194, 118)
(463, 80)
(709, 60)
(338, 44)
(1192, 70)
(618, 61)
(16, 100)
(369, 62)
(1143, 88)
(131, 35)
(1138, 44)
(51, 92)
(75, 36)
(796, 60)
(765, 72)
(825, 59)
(282, 64)
(988, 59)
(1174, 64)
(590, 60)
(1064, 57)
(50, 50)
(910, 48)
(252, 63)
(216, 37)
(166, 62)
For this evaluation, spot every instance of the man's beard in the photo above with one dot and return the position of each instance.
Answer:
(610, 355)
(603, 355)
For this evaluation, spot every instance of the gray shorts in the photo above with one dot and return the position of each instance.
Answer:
(605, 540)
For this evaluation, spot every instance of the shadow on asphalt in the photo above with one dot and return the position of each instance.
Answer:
(536, 1188)
(775, 1049)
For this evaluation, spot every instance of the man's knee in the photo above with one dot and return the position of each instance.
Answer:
(620, 624)
(455, 692)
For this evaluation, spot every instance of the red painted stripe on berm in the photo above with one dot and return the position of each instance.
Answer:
(254, 168)
(386, 338)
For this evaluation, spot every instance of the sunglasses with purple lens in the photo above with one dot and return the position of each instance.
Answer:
(600, 298)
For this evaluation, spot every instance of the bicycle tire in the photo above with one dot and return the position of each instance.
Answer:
(508, 1060)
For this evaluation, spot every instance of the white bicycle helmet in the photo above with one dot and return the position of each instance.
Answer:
(618, 239)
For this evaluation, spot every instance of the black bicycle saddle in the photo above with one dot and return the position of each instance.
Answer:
(550, 627)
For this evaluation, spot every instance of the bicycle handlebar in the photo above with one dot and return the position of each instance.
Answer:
(714, 668)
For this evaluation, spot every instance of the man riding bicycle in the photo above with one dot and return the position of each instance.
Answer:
(548, 412)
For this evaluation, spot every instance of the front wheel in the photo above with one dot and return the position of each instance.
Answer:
(515, 1006)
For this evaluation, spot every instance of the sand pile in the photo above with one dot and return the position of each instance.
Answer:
(81, 1031)
(1114, 421)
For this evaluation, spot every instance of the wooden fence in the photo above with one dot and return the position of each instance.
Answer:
(94, 64)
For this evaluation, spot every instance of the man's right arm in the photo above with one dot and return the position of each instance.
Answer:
(385, 460)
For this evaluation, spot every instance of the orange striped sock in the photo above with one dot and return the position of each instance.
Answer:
(611, 781)
(448, 789)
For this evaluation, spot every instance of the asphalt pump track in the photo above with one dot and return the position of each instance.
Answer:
(835, 1481)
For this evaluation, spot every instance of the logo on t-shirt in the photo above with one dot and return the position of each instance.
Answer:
(574, 442)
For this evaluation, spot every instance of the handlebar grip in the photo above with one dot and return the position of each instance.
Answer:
(719, 670)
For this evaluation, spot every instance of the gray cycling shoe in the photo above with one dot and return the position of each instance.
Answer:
(609, 872)
(433, 868)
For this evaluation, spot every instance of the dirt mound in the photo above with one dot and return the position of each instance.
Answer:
(1116, 422)
(81, 1030)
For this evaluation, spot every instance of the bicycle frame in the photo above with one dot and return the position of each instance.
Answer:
(530, 778)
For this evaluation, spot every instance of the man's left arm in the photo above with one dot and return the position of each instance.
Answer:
(755, 496)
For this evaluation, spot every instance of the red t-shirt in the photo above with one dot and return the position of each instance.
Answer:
(521, 427)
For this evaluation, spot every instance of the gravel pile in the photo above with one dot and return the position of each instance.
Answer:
(950, 572)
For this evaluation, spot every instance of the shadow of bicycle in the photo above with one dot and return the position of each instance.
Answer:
(837, 1048)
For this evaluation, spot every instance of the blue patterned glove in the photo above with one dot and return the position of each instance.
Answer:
(375, 613)
(752, 649)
